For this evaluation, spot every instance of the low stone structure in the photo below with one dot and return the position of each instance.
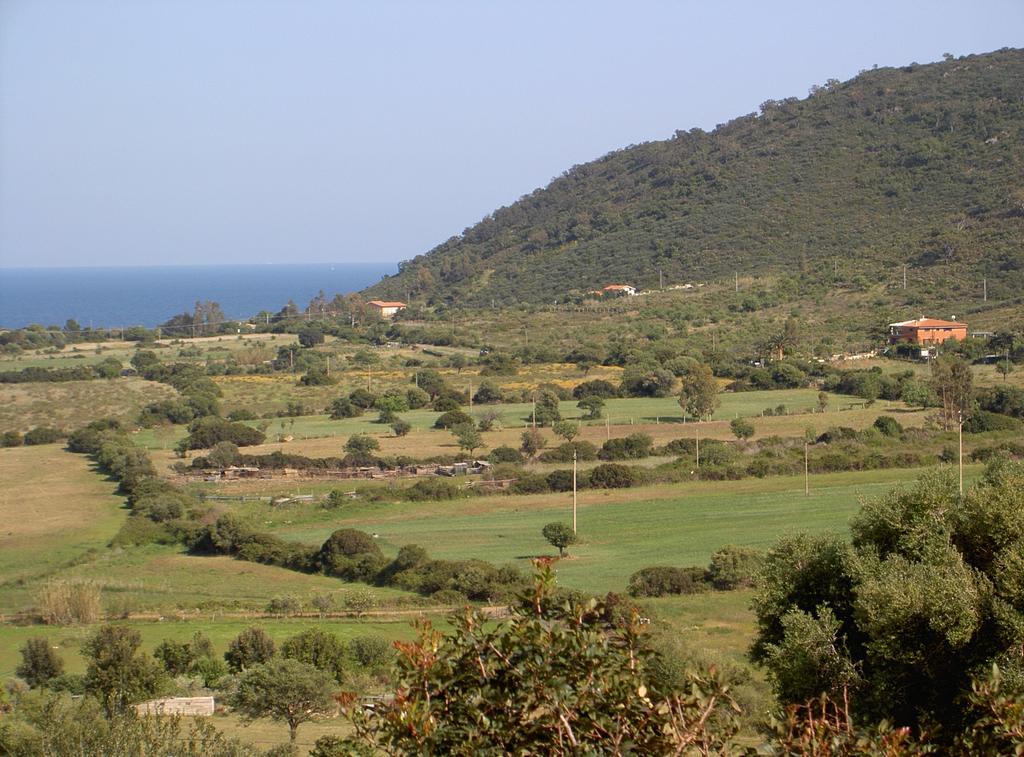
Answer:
(191, 706)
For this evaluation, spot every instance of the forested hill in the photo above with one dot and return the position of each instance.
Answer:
(920, 165)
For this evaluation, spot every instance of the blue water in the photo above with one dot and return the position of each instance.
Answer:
(148, 296)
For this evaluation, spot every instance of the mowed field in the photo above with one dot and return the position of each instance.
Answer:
(55, 511)
(621, 530)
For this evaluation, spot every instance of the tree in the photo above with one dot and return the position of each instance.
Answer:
(343, 407)
(284, 690)
(250, 648)
(929, 593)
(400, 427)
(589, 685)
(566, 429)
(311, 335)
(467, 437)
(822, 402)
(531, 442)
(951, 381)
(360, 447)
(559, 535)
(176, 657)
(741, 428)
(457, 361)
(1005, 368)
(594, 406)
(223, 454)
(323, 650)
(39, 663)
(546, 408)
(118, 673)
(699, 395)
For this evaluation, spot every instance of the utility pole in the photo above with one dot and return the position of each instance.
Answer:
(574, 490)
(470, 395)
(607, 427)
(960, 434)
(807, 480)
(291, 359)
(984, 288)
(328, 366)
(661, 280)
(904, 276)
(697, 427)
(737, 281)
(534, 411)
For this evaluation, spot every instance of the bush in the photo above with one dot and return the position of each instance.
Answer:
(206, 432)
(595, 388)
(888, 425)
(343, 407)
(43, 435)
(401, 427)
(431, 489)
(560, 481)
(563, 453)
(632, 447)
(659, 581)
(452, 418)
(612, 476)
(505, 454)
(373, 652)
(284, 606)
(982, 421)
(11, 439)
(734, 567)
(250, 648)
(530, 483)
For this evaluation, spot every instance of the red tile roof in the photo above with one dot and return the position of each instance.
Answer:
(930, 323)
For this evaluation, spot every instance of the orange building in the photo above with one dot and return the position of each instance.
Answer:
(927, 331)
(386, 309)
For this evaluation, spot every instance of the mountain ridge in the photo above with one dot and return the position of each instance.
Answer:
(917, 165)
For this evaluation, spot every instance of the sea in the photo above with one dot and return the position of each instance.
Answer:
(123, 296)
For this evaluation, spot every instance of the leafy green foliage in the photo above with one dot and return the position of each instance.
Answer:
(553, 678)
(285, 690)
(559, 535)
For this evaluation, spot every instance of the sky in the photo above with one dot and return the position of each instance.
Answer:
(141, 132)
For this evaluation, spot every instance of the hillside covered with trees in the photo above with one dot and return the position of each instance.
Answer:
(915, 166)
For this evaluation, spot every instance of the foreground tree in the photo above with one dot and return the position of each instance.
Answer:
(285, 690)
(951, 382)
(552, 679)
(930, 593)
(251, 647)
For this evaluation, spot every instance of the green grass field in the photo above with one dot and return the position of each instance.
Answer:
(622, 530)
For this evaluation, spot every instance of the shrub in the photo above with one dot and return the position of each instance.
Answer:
(982, 421)
(453, 418)
(371, 651)
(632, 447)
(446, 403)
(343, 407)
(362, 398)
(734, 567)
(350, 554)
(435, 489)
(401, 427)
(595, 388)
(43, 435)
(505, 454)
(206, 432)
(560, 481)
(612, 476)
(284, 606)
(563, 453)
(741, 428)
(39, 663)
(11, 439)
(888, 425)
(530, 483)
(658, 581)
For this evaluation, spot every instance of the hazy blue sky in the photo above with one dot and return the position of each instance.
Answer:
(220, 131)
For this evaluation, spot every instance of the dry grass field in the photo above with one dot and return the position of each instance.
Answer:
(70, 404)
(56, 511)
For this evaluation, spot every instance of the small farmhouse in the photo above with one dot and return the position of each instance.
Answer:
(926, 331)
(386, 309)
(620, 289)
